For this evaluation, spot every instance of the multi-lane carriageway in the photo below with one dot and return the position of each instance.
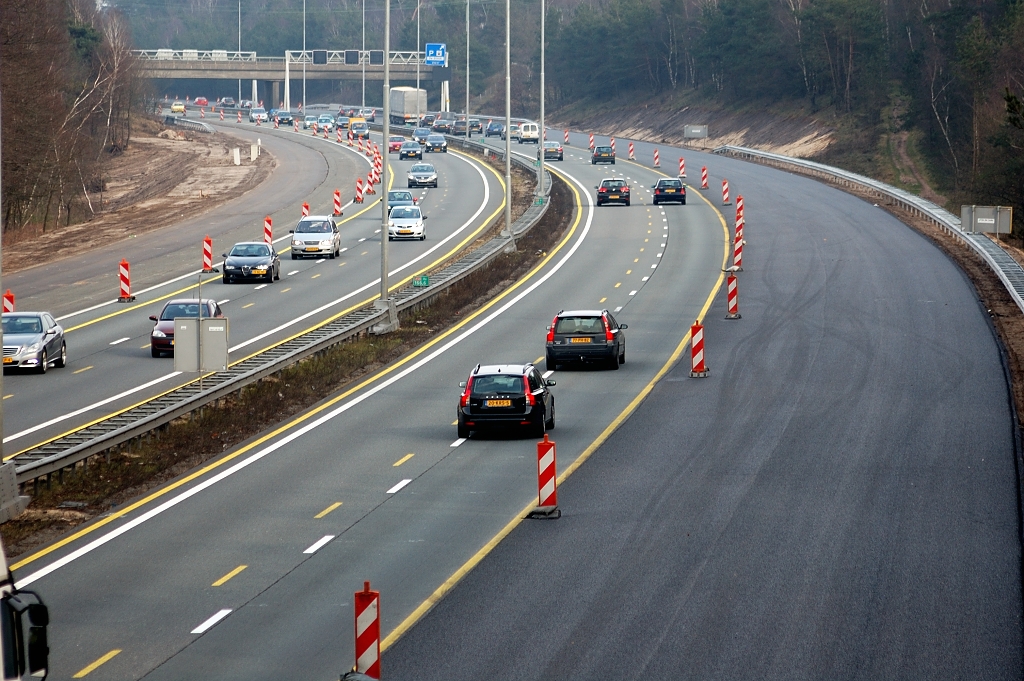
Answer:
(245, 568)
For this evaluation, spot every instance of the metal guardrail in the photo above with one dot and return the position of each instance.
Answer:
(1006, 268)
(194, 55)
(195, 126)
(102, 436)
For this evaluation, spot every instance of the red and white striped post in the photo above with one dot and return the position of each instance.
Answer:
(8, 301)
(295, 126)
(313, 128)
(682, 167)
(305, 209)
(631, 156)
(612, 144)
(202, 112)
(184, 112)
(359, 145)
(368, 189)
(591, 140)
(339, 135)
(733, 297)
(350, 138)
(547, 486)
(258, 124)
(703, 177)
(277, 122)
(125, 275)
(739, 206)
(268, 230)
(359, 190)
(208, 255)
(566, 138)
(698, 368)
(325, 133)
(545, 134)
(367, 612)
(657, 159)
(725, 193)
(739, 227)
(239, 116)
(222, 114)
(337, 202)
(737, 254)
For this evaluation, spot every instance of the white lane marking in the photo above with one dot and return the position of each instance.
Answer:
(632, 293)
(399, 486)
(457, 442)
(95, 405)
(645, 279)
(362, 240)
(210, 622)
(291, 273)
(320, 543)
(547, 374)
(223, 302)
(618, 309)
(340, 409)
(343, 250)
(654, 265)
(259, 287)
(663, 245)
(317, 262)
(658, 256)
(119, 341)
(376, 231)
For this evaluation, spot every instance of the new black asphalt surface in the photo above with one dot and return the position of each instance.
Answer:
(837, 500)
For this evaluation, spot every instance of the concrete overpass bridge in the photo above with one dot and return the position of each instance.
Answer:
(277, 72)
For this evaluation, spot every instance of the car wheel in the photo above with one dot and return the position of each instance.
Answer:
(613, 162)
(423, 237)
(613, 363)
(410, 186)
(43, 361)
(294, 257)
(593, 162)
(62, 360)
(550, 423)
(537, 430)
(153, 351)
(627, 203)
(683, 202)
(390, 238)
(463, 431)
(549, 361)
(330, 256)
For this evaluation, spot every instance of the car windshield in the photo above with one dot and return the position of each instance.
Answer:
(396, 138)
(250, 250)
(310, 118)
(513, 127)
(674, 184)
(326, 117)
(313, 227)
(604, 150)
(579, 325)
(399, 196)
(614, 184)
(551, 145)
(22, 324)
(411, 145)
(175, 310)
(421, 131)
(422, 168)
(259, 111)
(497, 384)
(407, 212)
(435, 139)
(359, 126)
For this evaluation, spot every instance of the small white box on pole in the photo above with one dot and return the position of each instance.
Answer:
(238, 156)
(254, 151)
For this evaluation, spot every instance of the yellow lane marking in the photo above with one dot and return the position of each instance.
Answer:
(355, 306)
(95, 665)
(248, 305)
(341, 264)
(641, 250)
(646, 240)
(325, 405)
(225, 578)
(143, 347)
(84, 369)
(457, 576)
(455, 422)
(6, 396)
(629, 271)
(618, 284)
(321, 514)
(364, 253)
(403, 460)
(286, 290)
(315, 275)
(636, 259)
(602, 300)
(537, 361)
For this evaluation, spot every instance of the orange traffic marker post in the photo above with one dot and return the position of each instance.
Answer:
(547, 487)
(698, 368)
(367, 613)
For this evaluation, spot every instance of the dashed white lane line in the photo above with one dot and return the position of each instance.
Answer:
(259, 287)
(632, 293)
(645, 279)
(618, 309)
(659, 255)
(547, 374)
(654, 266)
(292, 272)
(317, 262)
(362, 240)
(212, 621)
(119, 341)
(457, 442)
(224, 302)
(343, 250)
(320, 543)
(399, 486)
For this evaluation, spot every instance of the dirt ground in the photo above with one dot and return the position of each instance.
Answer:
(164, 173)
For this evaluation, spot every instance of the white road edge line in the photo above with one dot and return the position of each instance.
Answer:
(399, 486)
(119, 341)
(212, 621)
(320, 543)
(72, 414)
(457, 442)
(340, 409)
(259, 287)
(547, 374)
(223, 302)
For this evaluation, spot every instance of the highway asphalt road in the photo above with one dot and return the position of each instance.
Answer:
(373, 484)
(837, 500)
(110, 366)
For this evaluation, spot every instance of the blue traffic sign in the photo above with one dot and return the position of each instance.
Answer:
(437, 54)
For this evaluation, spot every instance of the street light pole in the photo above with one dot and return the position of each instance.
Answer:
(540, 165)
(418, 63)
(362, 53)
(303, 55)
(386, 171)
(239, 100)
(467, 70)
(508, 123)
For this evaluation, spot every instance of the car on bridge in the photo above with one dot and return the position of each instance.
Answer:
(422, 175)
(529, 132)
(33, 340)
(406, 222)
(251, 260)
(669, 190)
(475, 126)
(369, 113)
(512, 133)
(316, 236)
(178, 106)
(308, 121)
(326, 122)
(506, 396)
(612, 190)
(494, 129)
(202, 101)
(341, 121)
(359, 128)
(436, 143)
(410, 150)
(227, 101)
(585, 337)
(459, 129)
(285, 117)
(603, 155)
(443, 126)
(161, 337)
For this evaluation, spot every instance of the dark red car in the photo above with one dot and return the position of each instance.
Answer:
(161, 338)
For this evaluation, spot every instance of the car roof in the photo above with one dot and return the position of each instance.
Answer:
(581, 313)
(420, 165)
(305, 219)
(24, 314)
(485, 369)
(250, 243)
(613, 179)
(183, 301)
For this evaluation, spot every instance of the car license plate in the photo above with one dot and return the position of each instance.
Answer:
(312, 248)
(259, 271)
(614, 196)
(497, 403)
(670, 191)
(405, 231)
(172, 342)
(8, 360)
(584, 339)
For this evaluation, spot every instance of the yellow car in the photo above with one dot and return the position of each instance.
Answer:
(178, 107)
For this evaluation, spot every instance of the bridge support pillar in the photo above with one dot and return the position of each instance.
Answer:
(275, 93)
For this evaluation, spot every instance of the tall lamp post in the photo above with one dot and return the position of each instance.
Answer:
(418, 63)
(362, 54)
(239, 49)
(303, 55)
(383, 301)
(508, 123)
(540, 164)
(467, 70)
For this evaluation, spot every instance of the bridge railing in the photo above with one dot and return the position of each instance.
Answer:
(338, 57)
(194, 55)
(1004, 266)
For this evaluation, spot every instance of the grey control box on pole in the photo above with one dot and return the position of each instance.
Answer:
(200, 351)
(986, 219)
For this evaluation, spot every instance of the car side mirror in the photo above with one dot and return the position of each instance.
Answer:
(424, 217)
(291, 231)
(596, 187)
(551, 382)
(223, 255)
(462, 384)
(623, 326)
(153, 317)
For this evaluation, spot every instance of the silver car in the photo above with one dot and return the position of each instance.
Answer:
(316, 236)
(33, 340)
(406, 222)
(326, 122)
(422, 175)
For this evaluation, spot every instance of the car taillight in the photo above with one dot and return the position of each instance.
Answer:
(603, 189)
(657, 191)
(608, 335)
(625, 189)
(530, 399)
(465, 394)
(551, 330)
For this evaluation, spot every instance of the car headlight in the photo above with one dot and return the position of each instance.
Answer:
(325, 242)
(391, 225)
(34, 347)
(157, 333)
(296, 242)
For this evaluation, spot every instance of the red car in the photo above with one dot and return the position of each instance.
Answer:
(161, 338)
(202, 101)
(395, 143)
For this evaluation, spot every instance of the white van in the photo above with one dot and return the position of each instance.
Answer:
(529, 132)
